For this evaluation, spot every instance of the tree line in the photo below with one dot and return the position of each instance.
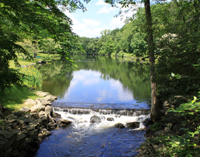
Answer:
(176, 30)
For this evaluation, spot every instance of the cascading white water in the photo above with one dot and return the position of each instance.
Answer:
(88, 120)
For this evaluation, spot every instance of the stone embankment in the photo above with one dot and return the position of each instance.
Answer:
(22, 131)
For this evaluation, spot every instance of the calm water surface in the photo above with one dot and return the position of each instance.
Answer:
(97, 86)
(98, 80)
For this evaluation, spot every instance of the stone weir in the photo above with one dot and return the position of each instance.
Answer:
(22, 131)
(121, 118)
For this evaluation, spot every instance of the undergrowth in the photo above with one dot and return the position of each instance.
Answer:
(185, 142)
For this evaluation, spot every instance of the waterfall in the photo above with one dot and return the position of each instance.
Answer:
(102, 118)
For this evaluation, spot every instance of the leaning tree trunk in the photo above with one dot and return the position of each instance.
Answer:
(155, 112)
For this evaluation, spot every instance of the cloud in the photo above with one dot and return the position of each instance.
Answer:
(85, 27)
(106, 10)
(124, 94)
(91, 23)
(101, 2)
(116, 23)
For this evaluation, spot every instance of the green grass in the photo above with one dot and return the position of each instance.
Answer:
(22, 61)
(32, 78)
(15, 97)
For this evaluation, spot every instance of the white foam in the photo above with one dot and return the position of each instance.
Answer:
(81, 118)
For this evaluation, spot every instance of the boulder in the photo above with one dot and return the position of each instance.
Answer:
(65, 121)
(25, 109)
(27, 121)
(95, 119)
(133, 125)
(39, 100)
(45, 103)
(45, 132)
(48, 109)
(42, 94)
(51, 126)
(56, 115)
(37, 108)
(29, 102)
(50, 98)
(119, 125)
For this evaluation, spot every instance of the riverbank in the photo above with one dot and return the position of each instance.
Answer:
(177, 133)
(130, 57)
(41, 57)
(21, 131)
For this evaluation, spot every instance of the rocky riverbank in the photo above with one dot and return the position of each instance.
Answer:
(22, 131)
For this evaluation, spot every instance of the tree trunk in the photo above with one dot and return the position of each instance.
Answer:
(155, 112)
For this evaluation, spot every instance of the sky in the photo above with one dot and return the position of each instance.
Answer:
(98, 17)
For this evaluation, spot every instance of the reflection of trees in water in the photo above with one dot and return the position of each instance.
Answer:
(57, 77)
(134, 76)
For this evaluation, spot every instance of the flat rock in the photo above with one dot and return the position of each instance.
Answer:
(25, 109)
(42, 94)
(37, 108)
(65, 121)
(29, 102)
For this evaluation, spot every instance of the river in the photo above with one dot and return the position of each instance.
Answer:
(95, 94)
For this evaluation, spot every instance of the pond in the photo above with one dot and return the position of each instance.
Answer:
(95, 94)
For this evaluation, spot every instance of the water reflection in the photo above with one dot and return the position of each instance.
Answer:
(99, 80)
(88, 86)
